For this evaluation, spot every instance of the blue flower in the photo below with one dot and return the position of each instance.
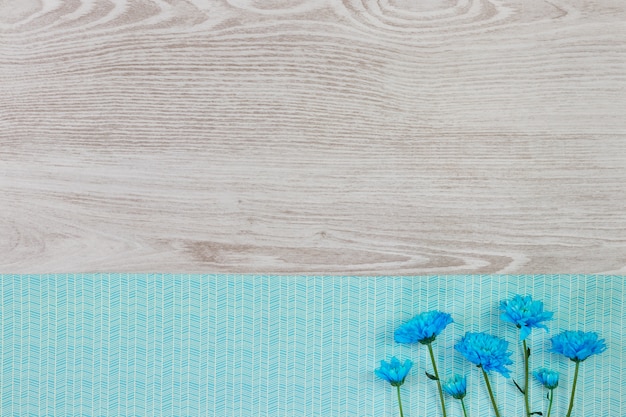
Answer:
(394, 372)
(577, 345)
(455, 386)
(485, 351)
(547, 377)
(525, 314)
(423, 328)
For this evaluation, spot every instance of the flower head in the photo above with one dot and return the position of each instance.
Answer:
(394, 372)
(525, 314)
(455, 386)
(547, 377)
(485, 351)
(423, 328)
(577, 345)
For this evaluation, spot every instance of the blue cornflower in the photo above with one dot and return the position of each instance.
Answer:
(455, 386)
(485, 351)
(547, 377)
(577, 345)
(394, 372)
(423, 328)
(525, 314)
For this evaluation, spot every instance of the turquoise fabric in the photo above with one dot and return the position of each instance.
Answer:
(254, 345)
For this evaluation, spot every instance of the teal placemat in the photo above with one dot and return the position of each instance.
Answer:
(253, 345)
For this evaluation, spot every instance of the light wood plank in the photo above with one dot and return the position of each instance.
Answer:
(293, 136)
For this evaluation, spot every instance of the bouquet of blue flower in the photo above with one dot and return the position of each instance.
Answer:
(490, 353)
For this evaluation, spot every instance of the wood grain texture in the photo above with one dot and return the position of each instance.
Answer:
(313, 136)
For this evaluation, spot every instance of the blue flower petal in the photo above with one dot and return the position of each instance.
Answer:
(423, 328)
(455, 386)
(486, 351)
(394, 372)
(577, 345)
(525, 313)
(524, 332)
(547, 377)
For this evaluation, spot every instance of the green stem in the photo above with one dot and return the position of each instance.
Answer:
(550, 405)
(399, 401)
(463, 405)
(526, 384)
(493, 400)
(432, 358)
(571, 400)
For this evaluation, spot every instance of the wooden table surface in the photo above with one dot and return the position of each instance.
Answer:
(313, 136)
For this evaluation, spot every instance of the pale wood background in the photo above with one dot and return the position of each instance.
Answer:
(313, 136)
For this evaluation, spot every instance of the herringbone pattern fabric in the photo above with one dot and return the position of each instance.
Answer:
(251, 345)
